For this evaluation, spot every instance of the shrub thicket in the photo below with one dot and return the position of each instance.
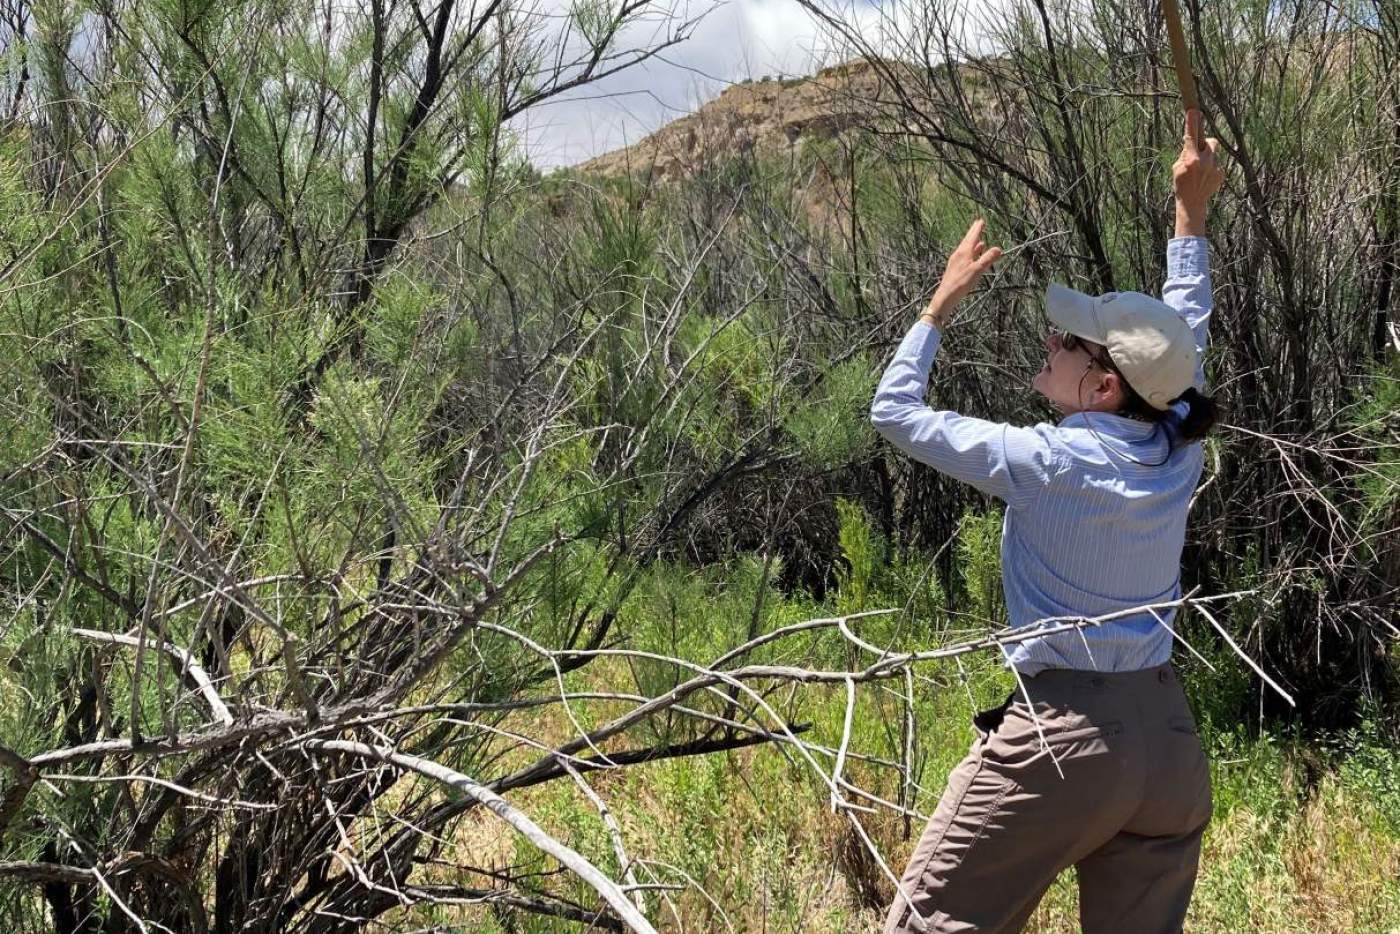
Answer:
(317, 389)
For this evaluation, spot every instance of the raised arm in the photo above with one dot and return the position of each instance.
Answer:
(1010, 463)
(1013, 464)
(1196, 177)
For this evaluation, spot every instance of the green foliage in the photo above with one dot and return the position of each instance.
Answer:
(979, 563)
(863, 551)
(736, 358)
(831, 426)
(426, 361)
(1374, 421)
(595, 20)
(1368, 765)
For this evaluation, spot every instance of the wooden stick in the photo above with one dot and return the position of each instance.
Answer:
(1181, 57)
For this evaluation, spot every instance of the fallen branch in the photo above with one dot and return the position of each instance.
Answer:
(585, 870)
(197, 674)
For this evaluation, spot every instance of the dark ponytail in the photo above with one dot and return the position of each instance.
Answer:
(1199, 418)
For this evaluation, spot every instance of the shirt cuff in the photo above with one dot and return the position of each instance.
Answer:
(921, 343)
(1188, 256)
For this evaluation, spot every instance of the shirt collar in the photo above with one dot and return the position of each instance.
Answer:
(1118, 426)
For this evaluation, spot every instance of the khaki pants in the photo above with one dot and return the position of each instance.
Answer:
(1128, 813)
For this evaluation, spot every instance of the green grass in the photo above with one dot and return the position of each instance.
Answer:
(1306, 833)
(750, 836)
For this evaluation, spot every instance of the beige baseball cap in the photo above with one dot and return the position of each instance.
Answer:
(1150, 343)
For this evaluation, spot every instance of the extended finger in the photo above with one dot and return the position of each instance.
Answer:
(1213, 145)
(991, 256)
(1193, 129)
(974, 234)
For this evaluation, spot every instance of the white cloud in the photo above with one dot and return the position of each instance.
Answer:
(737, 40)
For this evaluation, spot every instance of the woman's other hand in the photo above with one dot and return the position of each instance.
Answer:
(965, 266)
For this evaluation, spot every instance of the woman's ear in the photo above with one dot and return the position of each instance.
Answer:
(1111, 387)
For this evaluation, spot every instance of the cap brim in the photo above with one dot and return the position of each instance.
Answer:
(1075, 312)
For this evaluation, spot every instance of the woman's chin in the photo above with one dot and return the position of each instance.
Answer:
(1053, 404)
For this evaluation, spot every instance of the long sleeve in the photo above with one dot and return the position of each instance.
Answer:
(1011, 463)
(1187, 290)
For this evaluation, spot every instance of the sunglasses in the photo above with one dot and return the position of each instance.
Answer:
(1073, 342)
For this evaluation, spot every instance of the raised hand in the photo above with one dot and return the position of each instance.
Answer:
(1196, 177)
(966, 263)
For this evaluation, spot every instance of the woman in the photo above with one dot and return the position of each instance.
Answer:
(1106, 773)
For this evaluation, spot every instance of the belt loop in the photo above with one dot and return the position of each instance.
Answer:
(1163, 675)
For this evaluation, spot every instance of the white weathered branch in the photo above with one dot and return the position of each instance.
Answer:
(581, 867)
(200, 677)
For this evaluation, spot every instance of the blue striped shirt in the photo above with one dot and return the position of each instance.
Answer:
(1088, 530)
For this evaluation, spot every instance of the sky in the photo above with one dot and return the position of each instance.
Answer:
(736, 40)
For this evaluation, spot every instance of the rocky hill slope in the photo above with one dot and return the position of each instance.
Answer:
(769, 118)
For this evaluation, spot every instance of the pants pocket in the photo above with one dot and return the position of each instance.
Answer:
(1023, 744)
(1182, 725)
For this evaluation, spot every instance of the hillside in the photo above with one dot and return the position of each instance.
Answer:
(768, 117)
